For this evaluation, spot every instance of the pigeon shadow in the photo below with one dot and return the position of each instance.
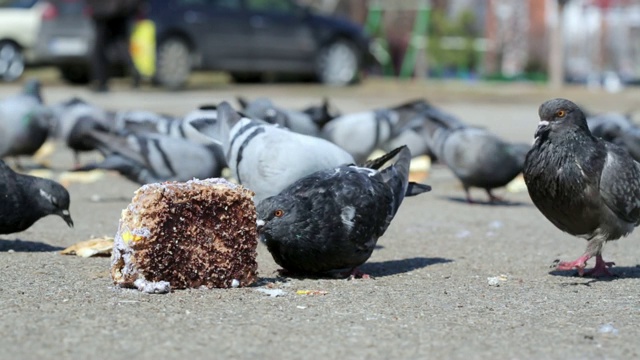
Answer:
(394, 267)
(484, 202)
(26, 246)
(619, 272)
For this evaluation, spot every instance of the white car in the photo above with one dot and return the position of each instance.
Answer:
(19, 25)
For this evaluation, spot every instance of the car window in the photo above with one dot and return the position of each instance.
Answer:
(19, 4)
(270, 5)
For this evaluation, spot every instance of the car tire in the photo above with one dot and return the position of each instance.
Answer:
(11, 61)
(338, 63)
(75, 74)
(173, 63)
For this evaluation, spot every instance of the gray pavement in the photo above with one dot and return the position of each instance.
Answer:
(430, 297)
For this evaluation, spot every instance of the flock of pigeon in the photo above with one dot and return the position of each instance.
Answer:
(321, 203)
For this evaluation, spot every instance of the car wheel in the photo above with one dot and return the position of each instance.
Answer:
(338, 63)
(11, 61)
(75, 74)
(173, 64)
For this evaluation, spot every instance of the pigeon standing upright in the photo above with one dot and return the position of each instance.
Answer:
(24, 122)
(476, 156)
(267, 158)
(330, 221)
(26, 199)
(585, 186)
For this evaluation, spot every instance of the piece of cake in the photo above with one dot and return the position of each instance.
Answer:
(176, 235)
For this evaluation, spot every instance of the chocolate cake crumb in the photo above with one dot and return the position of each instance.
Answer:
(199, 233)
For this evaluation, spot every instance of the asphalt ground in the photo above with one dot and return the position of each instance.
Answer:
(450, 280)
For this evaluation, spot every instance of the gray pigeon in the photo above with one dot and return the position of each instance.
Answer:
(363, 132)
(617, 128)
(267, 158)
(477, 157)
(151, 158)
(26, 199)
(585, 186)
(330, 221)
(73, 119)
(24, 122)
(265, 109)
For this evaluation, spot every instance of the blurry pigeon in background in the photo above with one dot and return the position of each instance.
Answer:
(361, 133)
(265, 109)
(24, 122)
(266, 158)
(143, 121)
(150, 158)
(617, 128)
(585, 186)
(321, 114)
(73, 119)
(330, 221)
(476, 156)
(26, 199)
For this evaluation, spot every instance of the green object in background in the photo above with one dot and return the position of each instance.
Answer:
(418, 40)
(374, 27)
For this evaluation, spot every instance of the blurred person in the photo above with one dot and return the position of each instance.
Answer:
(112, 19)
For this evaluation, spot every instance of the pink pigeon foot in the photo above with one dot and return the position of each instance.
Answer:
(357, 274)
(599, 270)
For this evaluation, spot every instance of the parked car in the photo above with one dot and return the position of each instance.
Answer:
(19, 24)
(247, 38)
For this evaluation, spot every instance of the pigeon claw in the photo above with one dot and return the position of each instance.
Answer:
(357, 274)
(600, 269)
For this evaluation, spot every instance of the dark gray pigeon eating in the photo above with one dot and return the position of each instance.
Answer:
(476, 156)
(329, 222)
(585, 186)
(26, 199)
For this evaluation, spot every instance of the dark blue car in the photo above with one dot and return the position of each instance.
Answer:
(247, 38)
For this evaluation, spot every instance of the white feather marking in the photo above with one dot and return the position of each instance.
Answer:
(347, 214)
(46, 195)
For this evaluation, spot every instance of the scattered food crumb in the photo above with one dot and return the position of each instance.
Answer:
(608, 329)
(311, 292)
(496, 280)
(301, 307)
(92, 247)
(272, 292)
(235, 283)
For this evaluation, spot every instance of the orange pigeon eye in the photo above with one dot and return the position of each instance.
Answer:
(561, 113)
(278, 213)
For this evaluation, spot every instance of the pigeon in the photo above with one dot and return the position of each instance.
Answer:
(477, 157)
(142, 122)
(24, 122)
(72, 121)
(321, 114)
(361, 133)
(584, 185)
(152, 158)
(267, 158)
(329, 222)
(296, 121)
(618, 129)
(26, 199)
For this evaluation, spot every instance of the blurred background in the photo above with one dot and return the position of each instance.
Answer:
(336, 42)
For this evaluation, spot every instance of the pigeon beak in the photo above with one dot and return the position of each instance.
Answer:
(542, 125)
(260, 224)
(64, 214)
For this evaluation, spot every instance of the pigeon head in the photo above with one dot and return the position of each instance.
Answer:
(276, 215)
(53, 199)
(558, 113)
